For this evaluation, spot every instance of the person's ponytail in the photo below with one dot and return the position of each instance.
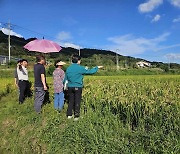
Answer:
(20, 67)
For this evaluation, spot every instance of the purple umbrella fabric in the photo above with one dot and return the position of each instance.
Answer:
(44, 46)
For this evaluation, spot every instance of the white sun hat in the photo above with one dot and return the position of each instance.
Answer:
(60, 63)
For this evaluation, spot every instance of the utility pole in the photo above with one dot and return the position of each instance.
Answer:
(117, 60)
(125, 63)
(79, 51)
(169, 58)
(9, 39)
(168, 63)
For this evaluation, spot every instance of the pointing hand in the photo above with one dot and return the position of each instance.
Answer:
(100, 66)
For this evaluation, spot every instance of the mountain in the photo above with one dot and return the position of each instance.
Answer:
(89, 56)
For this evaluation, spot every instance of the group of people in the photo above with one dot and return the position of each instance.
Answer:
(71, 80)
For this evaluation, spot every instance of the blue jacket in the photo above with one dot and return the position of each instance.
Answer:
(75, 74)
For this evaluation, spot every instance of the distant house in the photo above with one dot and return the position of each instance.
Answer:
(143, 64)
(5, 59)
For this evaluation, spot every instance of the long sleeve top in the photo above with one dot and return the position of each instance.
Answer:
(75, 74)
(58, 78)
(22, 74)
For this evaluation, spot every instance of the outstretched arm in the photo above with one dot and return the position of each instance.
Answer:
(90, 71)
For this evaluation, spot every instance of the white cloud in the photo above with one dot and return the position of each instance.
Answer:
(68, 44)
(64, 39)
(6, 31)
(176, 19)
(175, 3)
(130, 45)
(156, 18)
(168, 47)
(72, 45)
(69, 21)
(173, 56)
(63, 36)
(149, 6)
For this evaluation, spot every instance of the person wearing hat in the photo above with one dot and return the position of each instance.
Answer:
(58, 78)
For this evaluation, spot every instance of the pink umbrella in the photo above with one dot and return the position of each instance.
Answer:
(44, 46)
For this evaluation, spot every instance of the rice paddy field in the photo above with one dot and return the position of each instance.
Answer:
(119, 114)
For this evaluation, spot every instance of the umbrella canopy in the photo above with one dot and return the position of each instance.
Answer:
(44, 46)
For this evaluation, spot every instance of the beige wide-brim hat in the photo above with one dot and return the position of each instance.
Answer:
(60, 63)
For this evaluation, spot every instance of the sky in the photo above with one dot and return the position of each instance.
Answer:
(148, 29)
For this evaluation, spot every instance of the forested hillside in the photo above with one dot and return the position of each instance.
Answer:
(90, 57)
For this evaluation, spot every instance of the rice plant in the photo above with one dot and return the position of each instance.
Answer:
(119, 114)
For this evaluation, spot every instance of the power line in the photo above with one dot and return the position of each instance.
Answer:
(5, 25)
(117, 59)
(26, 29)
(15, 26)
(9, 40)
(15, 40)
(44, 35)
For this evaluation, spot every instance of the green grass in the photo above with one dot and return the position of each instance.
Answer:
(119, 114)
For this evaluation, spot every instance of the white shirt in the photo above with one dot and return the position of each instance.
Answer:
(22, 75)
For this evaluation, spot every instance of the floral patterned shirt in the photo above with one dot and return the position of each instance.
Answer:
(58, 78)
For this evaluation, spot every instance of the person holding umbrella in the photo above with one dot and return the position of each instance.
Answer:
(45, 47)
(74, 77)
(40, 82)
(58, 78)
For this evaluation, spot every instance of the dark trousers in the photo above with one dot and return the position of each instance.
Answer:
(23, 88)
(39, 98)
(75, 95)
